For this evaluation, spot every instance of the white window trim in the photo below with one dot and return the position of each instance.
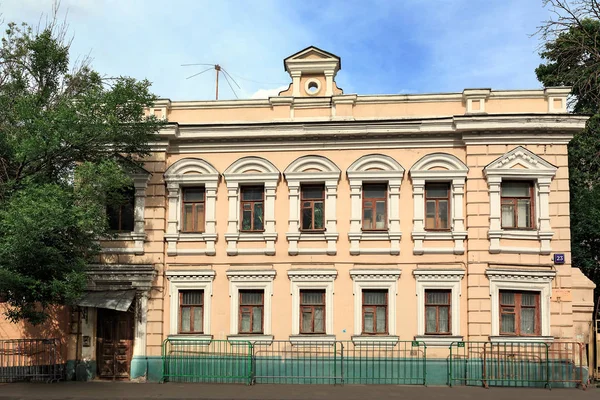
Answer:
(138, 236)
(367, 169)
(191, 172)
(243, 172)
(190, 280)
(541, 173)
(250, 280)
(312, 279)
(525, 280)
(364, 279)
(295, 175)
(439, 167)
(448, 279)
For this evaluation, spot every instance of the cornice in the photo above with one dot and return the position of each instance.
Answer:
(439, 274)
(375, 274)
(189, 275)
(251, 275)
(521, 275)
(312, 274)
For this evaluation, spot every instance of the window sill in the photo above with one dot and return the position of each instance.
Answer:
(521, 339)
(311, 340)
(374, 340)
(515, 234)
(438, 340)
(254, 339)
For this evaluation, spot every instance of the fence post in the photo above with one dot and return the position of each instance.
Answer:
(342, 362)
(424, 364)
(484, 366)
(548, 378)
(450, 366)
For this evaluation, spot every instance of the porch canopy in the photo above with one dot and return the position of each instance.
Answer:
(119, 300)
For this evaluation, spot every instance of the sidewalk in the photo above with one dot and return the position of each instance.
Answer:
(129, 390)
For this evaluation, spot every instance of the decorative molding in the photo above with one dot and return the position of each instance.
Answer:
(189, 280)
(521, 163)
(191, 172)
(312, 279)
(439, 167)
(375, 168)
(528, 280)
(385, 279)
(449, 279)
(438, 340)
(248, 171)
(475, 99)
(251, 279)
(312, 169)
(121, 276)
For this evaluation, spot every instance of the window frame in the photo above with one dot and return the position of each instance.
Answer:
(517, 312)
(514, 200)
(252, 307)
(386, 305)
(448, 305)
(374, 200)
(192, 307)
(323, 305)
(252, 202)
(437, 219)
(128, 192)
(312, 207)
(194, 213)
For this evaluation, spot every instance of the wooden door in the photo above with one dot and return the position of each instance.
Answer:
(115, 344)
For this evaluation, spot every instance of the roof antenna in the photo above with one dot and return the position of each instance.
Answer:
(218, 69)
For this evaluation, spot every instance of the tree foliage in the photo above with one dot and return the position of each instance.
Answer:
(571, 54)
(68, 137)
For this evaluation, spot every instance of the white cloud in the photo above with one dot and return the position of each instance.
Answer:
(266, 93)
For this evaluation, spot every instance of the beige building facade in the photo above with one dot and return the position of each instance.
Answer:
(322, 216)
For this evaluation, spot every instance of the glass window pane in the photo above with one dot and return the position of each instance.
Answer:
(312, 192)
(528, 299)
(443, 319)
(200, 217)
(381, 317)
(113, 213)
(523, 213)
(507, 298)
(436, 190)
(251, 298)
(319, 215)
(515, 189)
(257, 319)
(430, 319)
(528, 321)
(368, 321)
(374, 191)
(252, 193)
(245, 322)
(307, 320)
(198, 319)
(311, 297)
(185, 319)
(193, 194)
(508, 215)
(188, 218)
(368, 218)
(372, 297)
(437, 297)
(127, 219)
(430, 214)
(246, 220)
(307, 218)
(319, 320)
(258, 216)
(380, 215)
(443, 214)
(192, 297)
(507, 323)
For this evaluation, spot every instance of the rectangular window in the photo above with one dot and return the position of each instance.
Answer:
(519, 313)
(437, 312)
(517, 205)
(252, 208)
(121, 214)
(191, 311)
(374, 312)
(437, 206)
(251, 311)
(312, 207)
(193, 209)
(374, 206)
(312, 311)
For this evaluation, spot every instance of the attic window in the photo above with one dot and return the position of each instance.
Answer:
(312, 87)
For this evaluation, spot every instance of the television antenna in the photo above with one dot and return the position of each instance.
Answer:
(218, 69)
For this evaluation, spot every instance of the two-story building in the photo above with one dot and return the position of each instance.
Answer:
(322, 216)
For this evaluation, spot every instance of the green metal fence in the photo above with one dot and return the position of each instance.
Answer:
(209, 361)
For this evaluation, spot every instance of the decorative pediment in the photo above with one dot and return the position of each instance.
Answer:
(375, 164)
(447, 275)
(251, 275)
(515, 275)
(312, 275)
(312, 60)
(251, 165)
(520, 161)
(190, 166)
(377, 275)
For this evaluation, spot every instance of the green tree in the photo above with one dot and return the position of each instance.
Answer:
(68, 138)
(571, 55)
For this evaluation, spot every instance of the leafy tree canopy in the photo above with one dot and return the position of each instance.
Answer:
(68, 137)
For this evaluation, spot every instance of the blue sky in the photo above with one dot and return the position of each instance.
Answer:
(386, 46)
